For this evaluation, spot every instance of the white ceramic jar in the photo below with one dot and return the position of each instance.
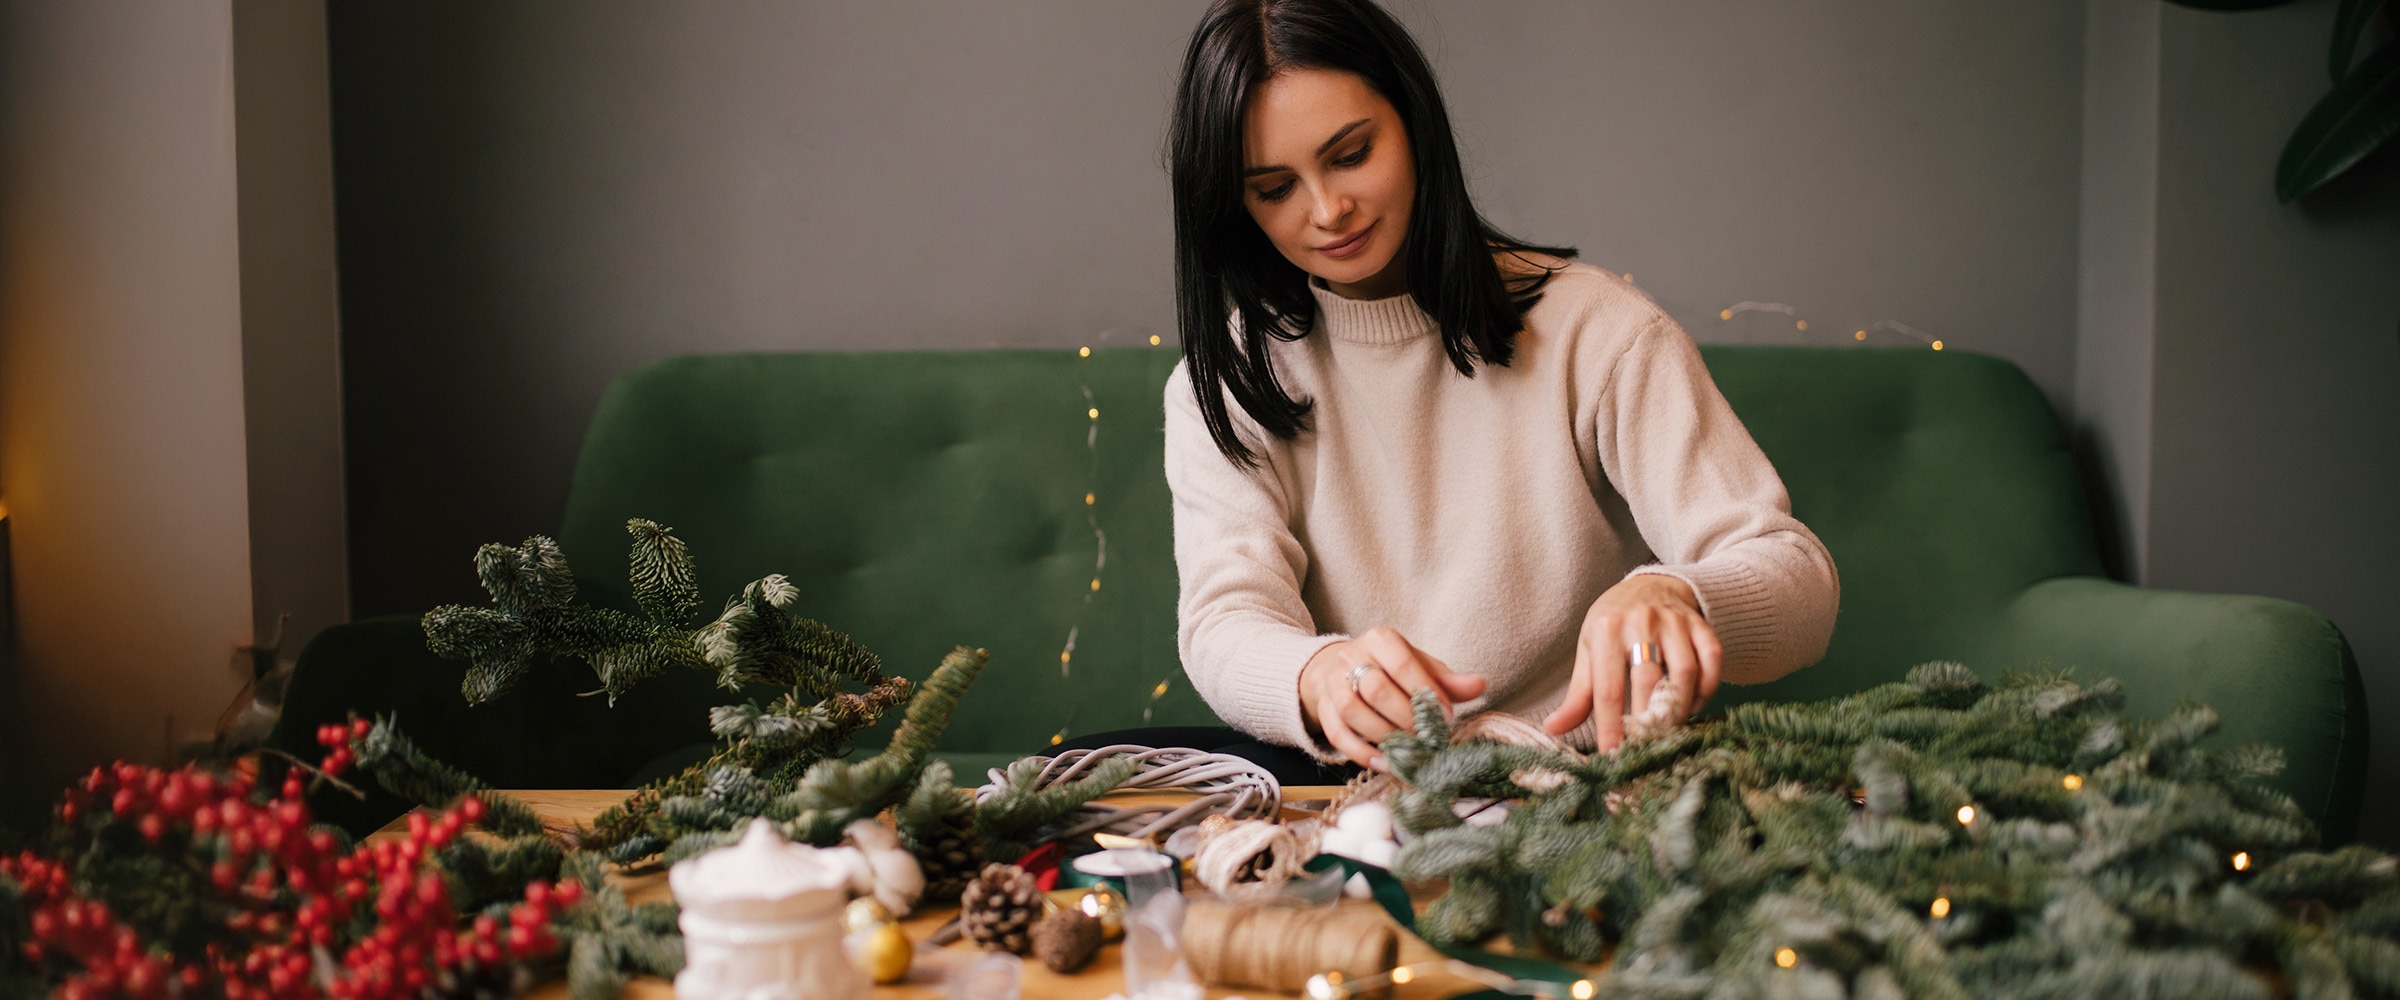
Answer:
(762, 920)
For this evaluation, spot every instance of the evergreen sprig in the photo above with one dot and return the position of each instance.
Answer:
(1936, 837)
(406, 771)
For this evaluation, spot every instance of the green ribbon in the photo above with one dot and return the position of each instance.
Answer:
(1388, 892)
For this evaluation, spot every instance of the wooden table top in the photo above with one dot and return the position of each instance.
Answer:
(1105, 976)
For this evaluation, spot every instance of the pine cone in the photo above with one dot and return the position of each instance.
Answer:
(1066, 941)
(950, 858)
(998, 908)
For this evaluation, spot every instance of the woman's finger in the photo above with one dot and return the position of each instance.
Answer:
(1338, 733)
(1608, 689)
(1711, 654)
(1683, 668)
(1386, 696)
(1364, 721)
(1407, 664)
(1578, 705)
(1643, 638)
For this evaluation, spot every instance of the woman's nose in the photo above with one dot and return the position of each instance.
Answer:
(1328, 208)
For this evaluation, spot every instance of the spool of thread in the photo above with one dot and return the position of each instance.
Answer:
(1261, 946)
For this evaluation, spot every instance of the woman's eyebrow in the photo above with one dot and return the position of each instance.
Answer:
(1321, 148)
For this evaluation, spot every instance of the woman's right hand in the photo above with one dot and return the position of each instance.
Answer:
(1388, 670)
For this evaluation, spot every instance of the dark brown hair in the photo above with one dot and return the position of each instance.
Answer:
(1224, 264)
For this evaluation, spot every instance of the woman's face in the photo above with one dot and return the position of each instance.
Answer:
(1329, 177)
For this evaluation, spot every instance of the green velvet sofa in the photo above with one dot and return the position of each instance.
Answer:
(1014, 500)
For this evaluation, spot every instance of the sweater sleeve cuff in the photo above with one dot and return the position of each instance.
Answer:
(1737, 604)
(1265, 689)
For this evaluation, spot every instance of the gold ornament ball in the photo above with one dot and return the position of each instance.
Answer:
(1102, 903)
(884, 954)
(864, 914)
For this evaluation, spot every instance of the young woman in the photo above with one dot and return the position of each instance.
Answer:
(1409, 452)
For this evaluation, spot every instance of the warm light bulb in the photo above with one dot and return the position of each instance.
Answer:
(2073, 782)
(1083, 352)
(2241, 861)
(1402, 975)
(1089, 499)
(1937, 345)
(1064, 656)
(1727, 314)
(1058, 737)
(1941, 907)
(1860, 335)
(1629, 278)
(1786, 957)
(1095, 585)
(1154, 340)
(1966, 815)
(1804, 324)
(1160, 691)
(1094, 413)
(1582, 990)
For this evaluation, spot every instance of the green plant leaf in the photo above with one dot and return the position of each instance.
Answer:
(2348, 24)
(2360, 114)
(2228, 4)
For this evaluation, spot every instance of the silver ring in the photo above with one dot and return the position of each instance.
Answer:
(1357, 672)
(1643, 653)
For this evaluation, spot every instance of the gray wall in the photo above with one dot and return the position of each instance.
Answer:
(2276, 449)
(121, 422)
(291, 344)
(538, 196)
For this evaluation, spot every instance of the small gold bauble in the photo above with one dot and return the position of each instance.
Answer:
(884, 954)
(864, 914)
(1103, 903)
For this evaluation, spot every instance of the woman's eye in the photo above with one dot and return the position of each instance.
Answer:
(1276, 193)
(1355, 158)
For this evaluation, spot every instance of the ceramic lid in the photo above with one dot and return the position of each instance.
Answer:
(761, 867)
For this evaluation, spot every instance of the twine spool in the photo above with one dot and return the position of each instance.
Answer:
(1235, 856)
(1278, 947)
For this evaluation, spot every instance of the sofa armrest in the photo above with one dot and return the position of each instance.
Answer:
(541, 735)
(2275, 672)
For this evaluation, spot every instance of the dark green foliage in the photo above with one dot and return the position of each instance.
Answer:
(1006, 822)
(406, 771)
(757, 640)
(2099, 858)
(482, 873)
(608, 940)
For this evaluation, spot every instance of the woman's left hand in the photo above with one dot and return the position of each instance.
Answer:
(1641, 609)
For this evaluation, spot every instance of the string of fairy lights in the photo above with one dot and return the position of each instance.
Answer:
(1879, 326)
(1091, 519)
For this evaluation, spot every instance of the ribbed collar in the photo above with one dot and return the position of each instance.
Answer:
(1384, 322)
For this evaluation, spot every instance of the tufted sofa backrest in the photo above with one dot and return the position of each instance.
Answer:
(922, 500)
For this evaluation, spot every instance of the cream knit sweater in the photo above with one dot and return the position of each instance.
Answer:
(1482, 516)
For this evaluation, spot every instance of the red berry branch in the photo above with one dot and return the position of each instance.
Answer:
(195, 883)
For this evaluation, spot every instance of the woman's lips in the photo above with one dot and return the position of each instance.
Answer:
(1356, 242)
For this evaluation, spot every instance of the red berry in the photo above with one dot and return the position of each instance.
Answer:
(472, 808)
(360, 727)
(520, 940)
(568, 892)
(124, 801)
(153, 828)
(223, 875)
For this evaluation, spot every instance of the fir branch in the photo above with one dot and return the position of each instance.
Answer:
(406, 771)
(661, 569)
(1008, 822)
